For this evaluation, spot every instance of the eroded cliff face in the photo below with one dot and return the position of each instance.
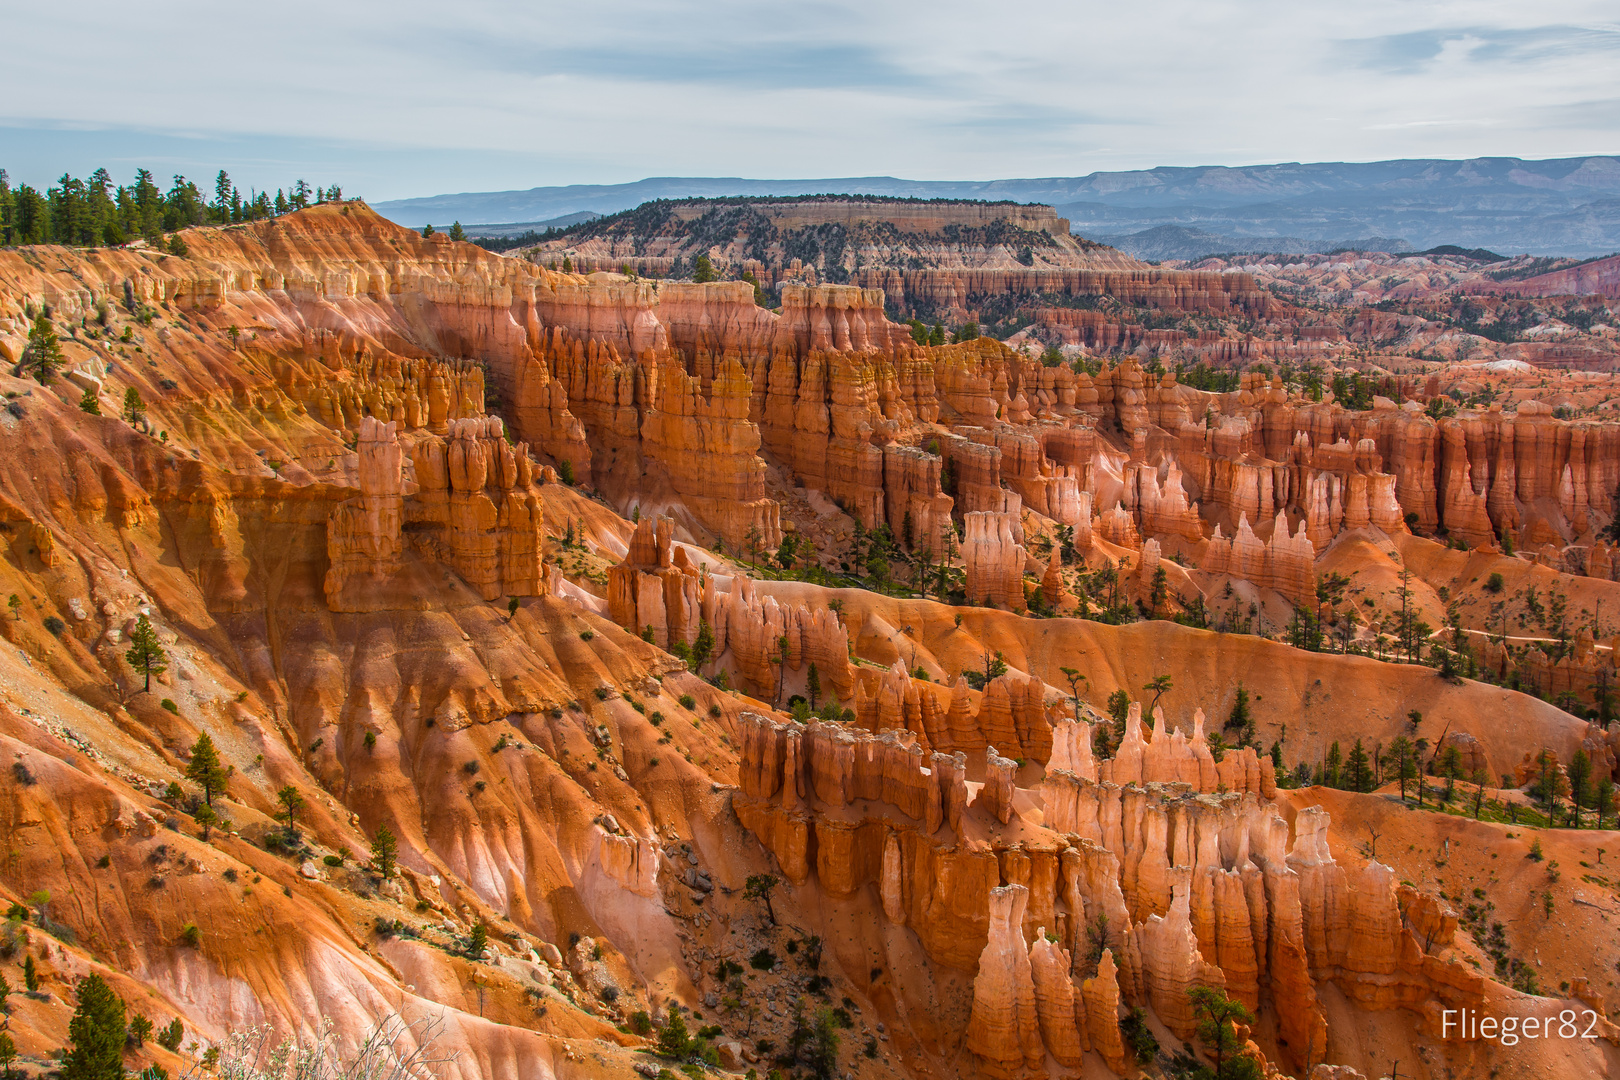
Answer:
(1177, 864)
(343, 511)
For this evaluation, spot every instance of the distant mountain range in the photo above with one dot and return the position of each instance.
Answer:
(1179, 242)
(1566, 206)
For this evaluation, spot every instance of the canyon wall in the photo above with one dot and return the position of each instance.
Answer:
(1183, 861)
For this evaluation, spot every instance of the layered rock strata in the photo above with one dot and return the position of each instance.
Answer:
(474, 507)
(994, 559)
(1191, 879)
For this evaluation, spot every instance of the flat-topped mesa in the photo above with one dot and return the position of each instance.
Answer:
(994, 559)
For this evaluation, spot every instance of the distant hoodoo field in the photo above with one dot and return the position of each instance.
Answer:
(806, 637)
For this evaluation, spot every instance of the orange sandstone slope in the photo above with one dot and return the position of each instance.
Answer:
(345, 469)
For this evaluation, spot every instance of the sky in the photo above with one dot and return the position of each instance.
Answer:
(406, 98)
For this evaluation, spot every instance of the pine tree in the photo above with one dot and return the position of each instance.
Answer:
(206, 817)
(820, 1052)
(384, 852)
(457, 233)
(703, 647)
(1242, 718)
(1603, 799)
(1399, 762)
(478, 941)
(30, 975)
(1075, 678)
(812, 684)
(1358, 773)
(224, 197)
(1218, 1017)
(171, 1034)
(8, 1053)
(1330, 766)
(1160, 590)
(758, 887)
(1451, 768)
(1580, 776)
(1160, 686)
(134, 407)
(42, 356)
(674, 1041)
(205, 769)
(98, 1032)
(146, 653)
(291, 802)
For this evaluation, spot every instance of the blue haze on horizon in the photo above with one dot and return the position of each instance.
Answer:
(406, 98)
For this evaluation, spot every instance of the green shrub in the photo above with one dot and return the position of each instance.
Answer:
(688, 701)
(168, 703)
(170, 1037)
(1138, 1036)
(763, 960)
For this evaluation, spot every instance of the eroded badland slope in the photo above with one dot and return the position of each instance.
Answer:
(340, 507)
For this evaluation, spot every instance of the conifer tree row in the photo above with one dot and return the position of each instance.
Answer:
(96, 212)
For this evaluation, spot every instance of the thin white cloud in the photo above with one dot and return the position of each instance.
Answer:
(408, 97)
